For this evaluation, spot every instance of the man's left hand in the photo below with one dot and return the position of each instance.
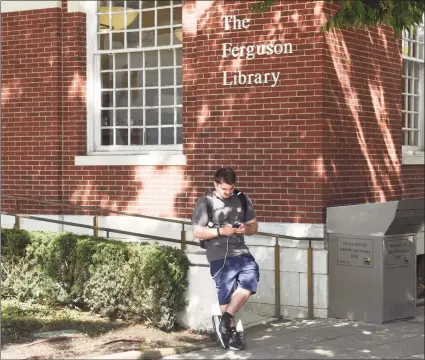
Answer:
(249, 228)
(241, 229)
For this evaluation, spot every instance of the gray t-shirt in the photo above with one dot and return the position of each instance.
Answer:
(223, 211)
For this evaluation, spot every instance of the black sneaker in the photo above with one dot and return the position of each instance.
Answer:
(222, 332)
(236, 341)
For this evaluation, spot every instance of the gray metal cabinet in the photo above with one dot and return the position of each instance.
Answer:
(372, 260)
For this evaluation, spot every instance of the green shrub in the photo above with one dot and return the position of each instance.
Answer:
(26, 284)
(107, 291)
(149, 286)
(158, 278)
(117, 279)
(67, 257)
(110, 251)
(84, 252)
(54, 254)
(14, 243)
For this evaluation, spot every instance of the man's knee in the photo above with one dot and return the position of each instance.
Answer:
(242, 292)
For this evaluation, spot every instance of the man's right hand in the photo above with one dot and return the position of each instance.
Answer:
(227, 230)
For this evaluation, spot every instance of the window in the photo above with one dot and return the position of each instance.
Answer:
(137, 76)
(413, 90)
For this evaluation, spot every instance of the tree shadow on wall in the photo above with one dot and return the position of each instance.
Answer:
(363, 117)
(332, 125)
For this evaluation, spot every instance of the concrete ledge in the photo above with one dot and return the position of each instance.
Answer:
(286, 311)
(295, 260)
(291, 312)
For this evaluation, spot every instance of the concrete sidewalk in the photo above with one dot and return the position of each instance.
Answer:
(326, 339)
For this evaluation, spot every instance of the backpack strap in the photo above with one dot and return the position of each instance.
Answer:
(209, 212)
(244, 202)
(209, 208)
(239, 194)
(242, 198)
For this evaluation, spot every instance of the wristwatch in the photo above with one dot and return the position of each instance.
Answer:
(218, 231)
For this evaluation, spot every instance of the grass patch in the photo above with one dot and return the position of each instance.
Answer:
(20, 321)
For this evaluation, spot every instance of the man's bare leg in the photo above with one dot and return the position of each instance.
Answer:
(239, 298)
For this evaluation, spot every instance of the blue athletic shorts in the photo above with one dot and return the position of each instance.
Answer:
(242, 268)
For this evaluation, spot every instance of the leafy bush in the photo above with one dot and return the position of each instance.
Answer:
(24, 283)
(53, 253)
(147, 287)
(67, 257)
(158, 279)
(107, 291)
(56, 255)
(14, 243)
(83, 255)
(117, 279)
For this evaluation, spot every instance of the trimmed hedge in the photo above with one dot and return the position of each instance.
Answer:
(14, 243)
(144, 283)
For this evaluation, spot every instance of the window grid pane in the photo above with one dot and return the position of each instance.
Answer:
(413, 82)
(412, 101)
(413, 43)
(140, 86)
(121, 23)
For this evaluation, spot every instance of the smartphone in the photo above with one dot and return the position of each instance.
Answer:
(236, 225)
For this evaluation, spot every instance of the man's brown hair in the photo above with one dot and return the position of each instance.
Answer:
(225, 175)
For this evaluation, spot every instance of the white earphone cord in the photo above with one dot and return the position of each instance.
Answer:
(225, 257)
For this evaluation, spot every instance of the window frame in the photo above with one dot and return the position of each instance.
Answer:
(421, 93)
(94, 146)
(414, 154)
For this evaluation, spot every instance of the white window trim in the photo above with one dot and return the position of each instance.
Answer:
(148, 155)
(413, 158)
(414, 155)
(153, 158)
(11, 6)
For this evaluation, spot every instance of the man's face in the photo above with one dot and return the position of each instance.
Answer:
(224, 190)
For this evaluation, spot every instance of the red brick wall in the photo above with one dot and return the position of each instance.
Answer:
(31, 87)
(270, 136)
(74, 140)
(362, 120)
(296, 147)
(44, 124)
(413, 177)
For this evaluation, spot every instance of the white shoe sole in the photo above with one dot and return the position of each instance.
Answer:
(235, 349)
(216, 322)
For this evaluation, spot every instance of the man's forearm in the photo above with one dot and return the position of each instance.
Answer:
(204, 232)
(251, 229)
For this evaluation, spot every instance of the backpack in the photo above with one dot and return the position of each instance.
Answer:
(244, 202)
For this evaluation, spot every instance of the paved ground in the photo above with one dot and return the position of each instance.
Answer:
(326, 339)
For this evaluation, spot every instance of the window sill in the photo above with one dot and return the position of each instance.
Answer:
(413, 158)
(148, 159)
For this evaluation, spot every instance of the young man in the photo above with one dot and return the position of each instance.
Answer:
(220, 220)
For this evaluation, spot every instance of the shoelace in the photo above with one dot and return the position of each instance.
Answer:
(234, 335)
